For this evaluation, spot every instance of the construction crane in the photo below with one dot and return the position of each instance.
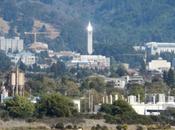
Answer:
(37, 33)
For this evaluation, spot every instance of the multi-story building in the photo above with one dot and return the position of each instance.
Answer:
(157, 47)
(11, 45)
(91, 62)
(117, 82)
(159, 65)
(27, 58)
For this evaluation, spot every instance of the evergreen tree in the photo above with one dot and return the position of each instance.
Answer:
(171, 78)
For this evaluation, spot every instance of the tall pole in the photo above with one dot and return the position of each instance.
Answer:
(89, 101)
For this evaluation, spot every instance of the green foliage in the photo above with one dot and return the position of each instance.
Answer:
(20, 107)
(59, 126)
(168, 115)
(136, 90)
(119, 107)
(69, 87)
(96, 83)
(140, 127)
(121, 71)
(121, 112)
(42, 85)
(156, 87)
(55, 105)
(59, 69)
(5, 62)
(98, 127)
(122, 127)
(169, 78)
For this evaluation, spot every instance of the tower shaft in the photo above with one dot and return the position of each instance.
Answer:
(89, 39)
(90, 46)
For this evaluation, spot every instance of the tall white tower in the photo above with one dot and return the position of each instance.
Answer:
(89, 39)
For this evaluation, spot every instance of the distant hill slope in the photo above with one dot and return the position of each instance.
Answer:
(116, 22)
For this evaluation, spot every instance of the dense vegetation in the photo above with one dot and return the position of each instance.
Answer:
(121, 112)
(52, 105)
(55, 105)
(5, 62)
(20, 107)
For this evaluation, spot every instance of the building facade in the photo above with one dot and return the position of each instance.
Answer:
(91, 62)
(11, 45)
(154, 48)
(153, 107)
(27, 58)
(159, 65)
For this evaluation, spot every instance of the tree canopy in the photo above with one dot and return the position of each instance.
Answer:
(20, 107)
(55, 105)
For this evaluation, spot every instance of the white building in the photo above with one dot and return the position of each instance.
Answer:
(159, 65)
(153, 107)
(38, 47)
(136, 79)
(118, 82)
(77, 104)
(89, 39)
(91, 62)
(157, 47)
(27, 58)
(11, 45)
(4, 93)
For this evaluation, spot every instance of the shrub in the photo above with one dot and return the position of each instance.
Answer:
(139, 127)
(59, 126)
(69, 127)
(20, 107)
(119, 127)
(55, 105)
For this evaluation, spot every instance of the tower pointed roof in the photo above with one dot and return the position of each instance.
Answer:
(89, 27)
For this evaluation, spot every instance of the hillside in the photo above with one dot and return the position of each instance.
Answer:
(116, 22)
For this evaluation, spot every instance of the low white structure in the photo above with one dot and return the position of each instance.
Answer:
(11, 45)
(159, 65)
(152, 108)
(4, 93)
(51, 53)
(77, 103)
(90, 61)
(27, 58)
(38, 47)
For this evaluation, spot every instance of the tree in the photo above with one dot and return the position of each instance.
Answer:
(168, 115)
(69, 87)
(20, 107)
(171, 78)
(121, 71)
(42, 85)
(55, 105)
(136, 90)
(96, 83)
(5, 62)
(156, 87)
(119, 107)
(59, 69)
